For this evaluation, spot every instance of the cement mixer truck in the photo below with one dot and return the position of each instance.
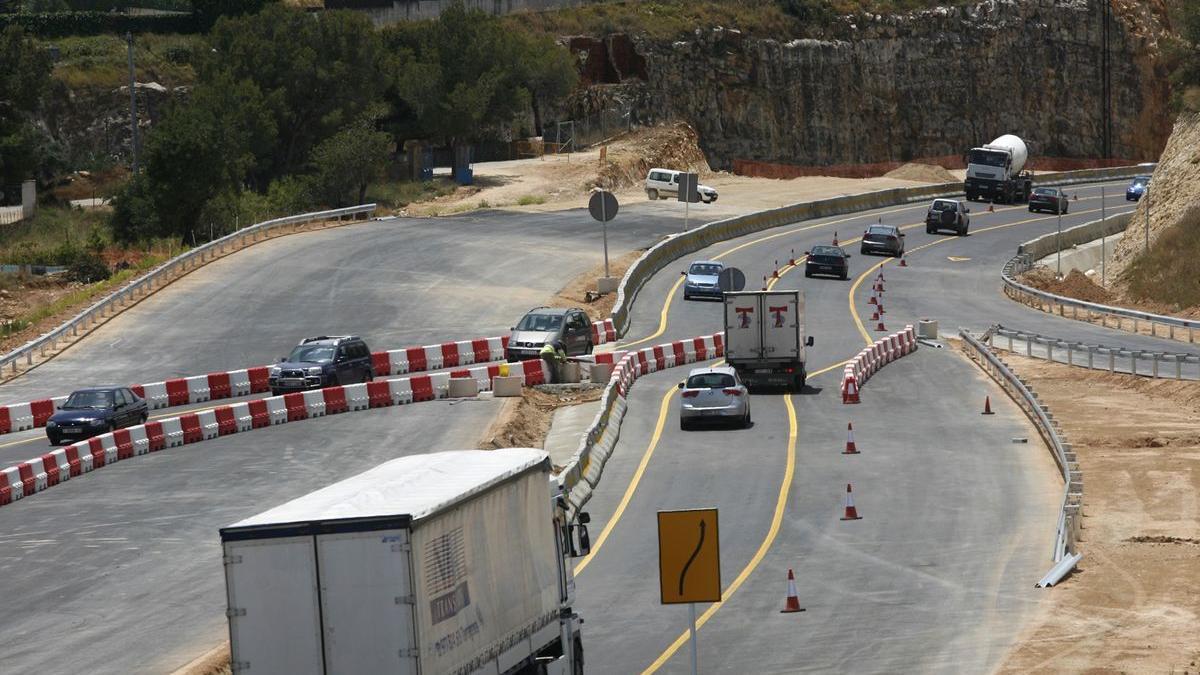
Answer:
(995, 171)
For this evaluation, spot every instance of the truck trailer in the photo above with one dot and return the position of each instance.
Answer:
(995, 172)
(764, 338)
(452, 562)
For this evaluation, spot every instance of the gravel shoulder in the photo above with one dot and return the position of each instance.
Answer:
(1133, 605)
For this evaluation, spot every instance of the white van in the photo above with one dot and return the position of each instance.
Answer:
(664, 183)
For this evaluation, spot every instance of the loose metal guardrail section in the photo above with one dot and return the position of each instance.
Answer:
(706, 235)
(1112, 359)
(1071, 513)
(1123, 319)
(162, 275)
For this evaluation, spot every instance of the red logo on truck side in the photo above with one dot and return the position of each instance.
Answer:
(779, 312)
(744, 316)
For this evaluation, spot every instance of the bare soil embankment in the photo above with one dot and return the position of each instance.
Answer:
(1133, 604)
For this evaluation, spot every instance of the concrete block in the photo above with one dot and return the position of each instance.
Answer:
(569, 372)
(463, 387)
(600, 373)
(507, 386)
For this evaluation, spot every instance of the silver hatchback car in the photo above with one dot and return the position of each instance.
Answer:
(713, 394)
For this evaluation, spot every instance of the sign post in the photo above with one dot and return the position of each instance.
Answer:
(689, 184)
(689, 562)
(1103, 218)
(603, 206)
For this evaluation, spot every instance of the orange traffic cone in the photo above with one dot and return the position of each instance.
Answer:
(835, 238)
(792, 260)
(851, 449)
(849, 390)
(903, 261)
(987, 406)
(872, 301)
(991, 208)
(875, 315)
(851, 512)
(880, 328)
(792, 604)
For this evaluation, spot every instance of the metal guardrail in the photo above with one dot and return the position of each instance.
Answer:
(1071, 513)
(1112, 358)
(676, 246)
(140, 288)
(1123, 318)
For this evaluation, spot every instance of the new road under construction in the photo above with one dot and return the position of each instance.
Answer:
(874, 490)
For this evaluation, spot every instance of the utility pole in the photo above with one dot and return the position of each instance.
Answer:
(133, 117)
(1103, 221)
(1147, 195)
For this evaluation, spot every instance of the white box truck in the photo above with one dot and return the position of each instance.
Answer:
(452, 562)
(764, 338)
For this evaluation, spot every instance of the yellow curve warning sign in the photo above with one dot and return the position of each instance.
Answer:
(689, 556)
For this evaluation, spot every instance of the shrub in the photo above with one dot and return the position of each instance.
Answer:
(88, 269)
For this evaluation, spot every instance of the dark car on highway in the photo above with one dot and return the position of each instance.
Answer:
(94, 411)
(323, 361)
(827, 260)
(700, 280)
(1052, 200)
(887, 239)
(1137, 188)
(947, 214)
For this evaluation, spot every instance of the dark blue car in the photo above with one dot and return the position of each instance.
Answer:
(95, 411)
(1137, 188)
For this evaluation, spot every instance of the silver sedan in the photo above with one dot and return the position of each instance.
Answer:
(713, 394)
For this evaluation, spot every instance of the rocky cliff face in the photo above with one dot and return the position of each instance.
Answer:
(925, 84)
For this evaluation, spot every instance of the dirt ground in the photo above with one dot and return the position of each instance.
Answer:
(524, 422)
(576, 292)
(1133, 604)
(556, 182)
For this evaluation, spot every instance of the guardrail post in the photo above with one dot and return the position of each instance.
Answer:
(1112, 360)
(1074, 312)
(1010, 343)
(1028, 346)
(1171, 331)
(1179, 366)
(1189, 333)
(1156, 356)
(1070, 354)
(1091, 356)
(1133, 357)
(1049, 351)
(1135, 324)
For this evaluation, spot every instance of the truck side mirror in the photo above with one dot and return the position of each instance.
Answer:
(585, 517)
(809, 341)
(681, 385)
(585, 541)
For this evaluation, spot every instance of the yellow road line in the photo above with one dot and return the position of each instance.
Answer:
(663, 319)
(776, 520)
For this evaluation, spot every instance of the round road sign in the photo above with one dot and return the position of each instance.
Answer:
(603, 205)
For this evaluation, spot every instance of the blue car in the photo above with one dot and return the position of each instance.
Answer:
(95, 411)
(1137, 188)
(700, 280)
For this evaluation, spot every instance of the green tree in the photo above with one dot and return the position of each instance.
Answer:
(23, 79)
(316, 72)
(208, 11)
(464, 77)
(349, 160)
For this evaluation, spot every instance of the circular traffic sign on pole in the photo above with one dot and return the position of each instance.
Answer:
(731, 279)
(603, 205)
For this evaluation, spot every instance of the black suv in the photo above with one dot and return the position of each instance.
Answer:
(947, 214)
(323, 361)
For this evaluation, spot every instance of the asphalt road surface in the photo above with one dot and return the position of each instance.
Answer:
(122, 567)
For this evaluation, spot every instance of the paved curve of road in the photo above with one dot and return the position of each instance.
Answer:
(131, 551)
(958, 519)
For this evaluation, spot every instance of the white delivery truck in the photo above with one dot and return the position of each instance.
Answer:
(995, 171)
(764, 338)
(452, 562)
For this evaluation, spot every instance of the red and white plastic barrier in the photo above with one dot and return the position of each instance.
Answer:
(52, 468)
(868, 361)
(238, 383)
